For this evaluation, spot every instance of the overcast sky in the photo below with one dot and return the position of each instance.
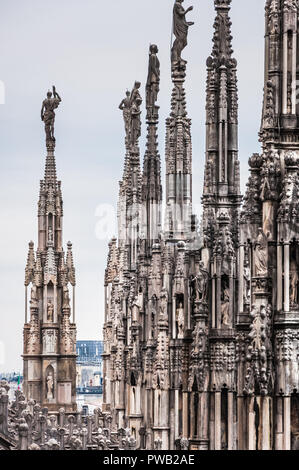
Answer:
(93, 50)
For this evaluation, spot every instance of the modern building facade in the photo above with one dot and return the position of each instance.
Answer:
(89, 364)
(201, 334)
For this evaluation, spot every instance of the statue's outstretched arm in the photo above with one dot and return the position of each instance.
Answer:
(56, 94)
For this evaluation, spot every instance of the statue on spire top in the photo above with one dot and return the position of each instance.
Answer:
(180, 30)
(48, 114)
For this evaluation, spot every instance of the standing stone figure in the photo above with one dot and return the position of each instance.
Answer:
(50, 311)
(180, 30)
(135, 121)
(225, 307)
(48, 114)
(294, 280)
(50, 386)
(153, 78)
(180, 320)
(260, 257)
(125, 107)
(200, 284)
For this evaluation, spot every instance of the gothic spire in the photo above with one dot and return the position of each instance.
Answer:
(222, 165)
(178, 151)
(151, 184)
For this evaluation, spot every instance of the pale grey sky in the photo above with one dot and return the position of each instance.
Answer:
(92, 50)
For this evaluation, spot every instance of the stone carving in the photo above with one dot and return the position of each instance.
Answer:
(260, 254)
(153, 80)
(125, 107)
(269, 111)
(25, 426)
(50, 386)
(66, 298)
(259, 356)
(163, 306)
(290, 5)
(34, 298)
(180, 31)
(33, 339)
(247, 282)
(225, 321)
(294, 283)
(48, 114)
(200, 285)
(49, 341)
(135, 119)
(50, 311)
(180, 320)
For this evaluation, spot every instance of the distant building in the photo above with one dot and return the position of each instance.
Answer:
(89, 366)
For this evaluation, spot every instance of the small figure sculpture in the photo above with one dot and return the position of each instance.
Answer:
(180, 321)
(125, 107)
(225, 308)
(66, 298)
(200, 284)
(48, 114)
(247, 285)
(257, 328)
(34, 299)
(180, 30)
(153, 78)
(50, 311)
(136, 309)
(50, 387)
(294, 280)
(164, 305)
(135, 121)
(260, 257)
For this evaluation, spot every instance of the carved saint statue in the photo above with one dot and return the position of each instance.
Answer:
(180, 321)
(48, 114)
(153, 78)
(180, 30)
(164, 305)
(225, 307)
(256, 329)
(136, 308)
(247, 285)
(50, 387)
(135, 127)
(294, 281)
(200, 284)
(260, 258)
(34, 299)
(125, 107)
(66, 298)
(50, 311)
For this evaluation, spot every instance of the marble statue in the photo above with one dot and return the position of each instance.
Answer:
(180, 30)
(260, 258)
(50, 311)
(48, 113)
(153, 78)
(50, 387)
(225, 307)
(125, 107)
(180, 321)
(34, 299)
(294, 280)
(201, 284)
(66, 298)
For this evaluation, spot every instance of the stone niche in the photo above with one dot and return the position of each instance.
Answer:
(34, 370)
(65, 393)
